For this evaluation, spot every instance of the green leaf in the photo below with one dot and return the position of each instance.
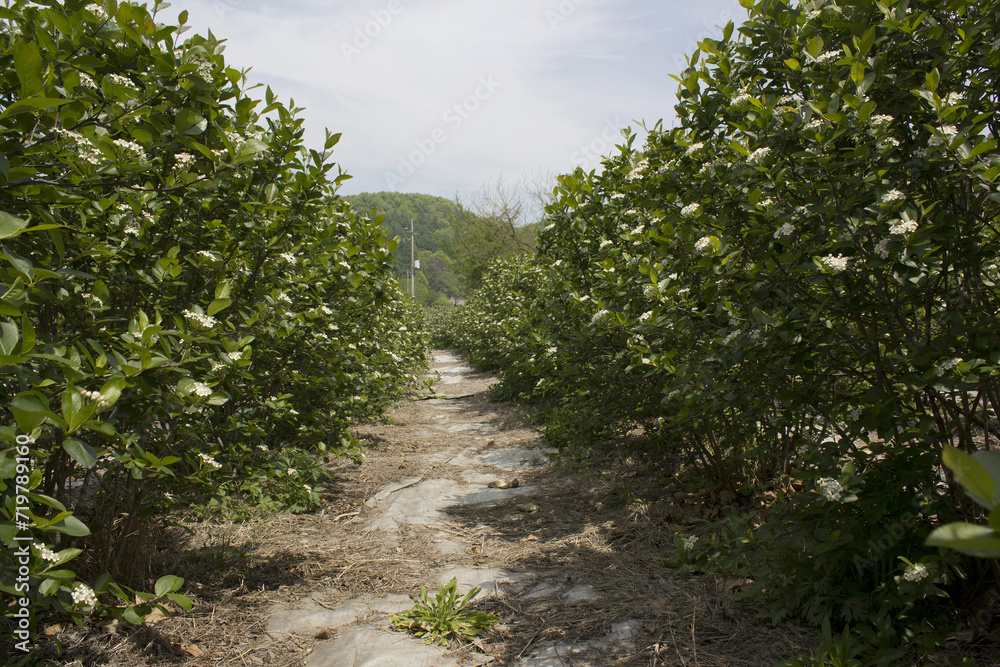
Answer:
(134, 615)
(27, 335)
(168, 584)
(81, 452)
(9, 225)
(793, 64)
(190, 123)
(29, 65)
(72, 526)
(30, 409)
(49, 587)
(814, 46)
(183, 601)
(9, 335)
(972, 475)
(217, 305)
(966, 538)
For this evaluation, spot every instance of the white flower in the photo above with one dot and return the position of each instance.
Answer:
(130, 147)
(694, 148)
(691, 210)
(891, 196)
(236, 356)
(288, 257)
(325, 310)
(47, 554)
(903, 227)
(880, 121)
(835, 262)
(217, 365)
(84, 595)
(829, 55)
(703, 243)
(690, 542)
(766, 203)
(604, 243)
(915, 573)
(98, 11)
(953, 99)
(757, 157)
(599, 316)
(206, 321)
(645, 316)
(290, 471)
(283, 297)
(882, 249)
(209, 461)
(950, 363)
(785, 230)
(184, 159)
(830, 489)
(207, 255)
(201, 389)
(87, 82)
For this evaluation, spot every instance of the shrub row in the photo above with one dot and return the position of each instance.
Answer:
(794, 291)
(188, 311)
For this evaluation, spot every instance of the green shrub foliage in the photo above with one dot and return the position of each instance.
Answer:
(188, 310)
(795, 288)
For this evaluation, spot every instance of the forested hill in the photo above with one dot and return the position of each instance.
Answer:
(432, 222)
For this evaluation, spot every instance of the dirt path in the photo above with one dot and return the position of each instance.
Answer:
(574, 572)
(569, 559)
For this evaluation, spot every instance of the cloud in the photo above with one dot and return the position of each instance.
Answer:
(467, 89)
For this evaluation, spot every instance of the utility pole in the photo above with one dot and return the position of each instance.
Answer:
(412, 272)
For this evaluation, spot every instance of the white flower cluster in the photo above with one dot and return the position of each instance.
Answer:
(121, 80)
(882, 249)
(604, 243)
(283, 297)
(84, 595)
(201, 389)
(236, 356)
(903, 227)
(891, 196)
(835, 262)
(87, 82)
(47, 554)
(84, 148)
(645, 316)
(950, 363)
(98, 11)
(96, 300)
(94, 396)
(829, 55)
(690, 542)
(209, 461)
(946, 133)
(599, 316)
(814, 124)
(130, 147)
(916, 572)
(758, 156)
(741, 99)
(786, 229)
(830, 489)
(206, 68)
(691, 210)
(694, 148)
(953, 99)
(184, 160)
(288, 257)
(703, 243)
(206, 321)
(207, 255)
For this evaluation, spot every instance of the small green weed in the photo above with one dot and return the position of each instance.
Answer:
(447, 617)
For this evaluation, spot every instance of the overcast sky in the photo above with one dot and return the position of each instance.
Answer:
(442, 96)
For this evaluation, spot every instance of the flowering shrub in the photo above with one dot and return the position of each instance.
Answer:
(189, 312)
(794, 290)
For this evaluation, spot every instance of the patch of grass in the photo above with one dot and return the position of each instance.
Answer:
(446, 617)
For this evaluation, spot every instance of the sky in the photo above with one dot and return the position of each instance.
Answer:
(442, 97)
